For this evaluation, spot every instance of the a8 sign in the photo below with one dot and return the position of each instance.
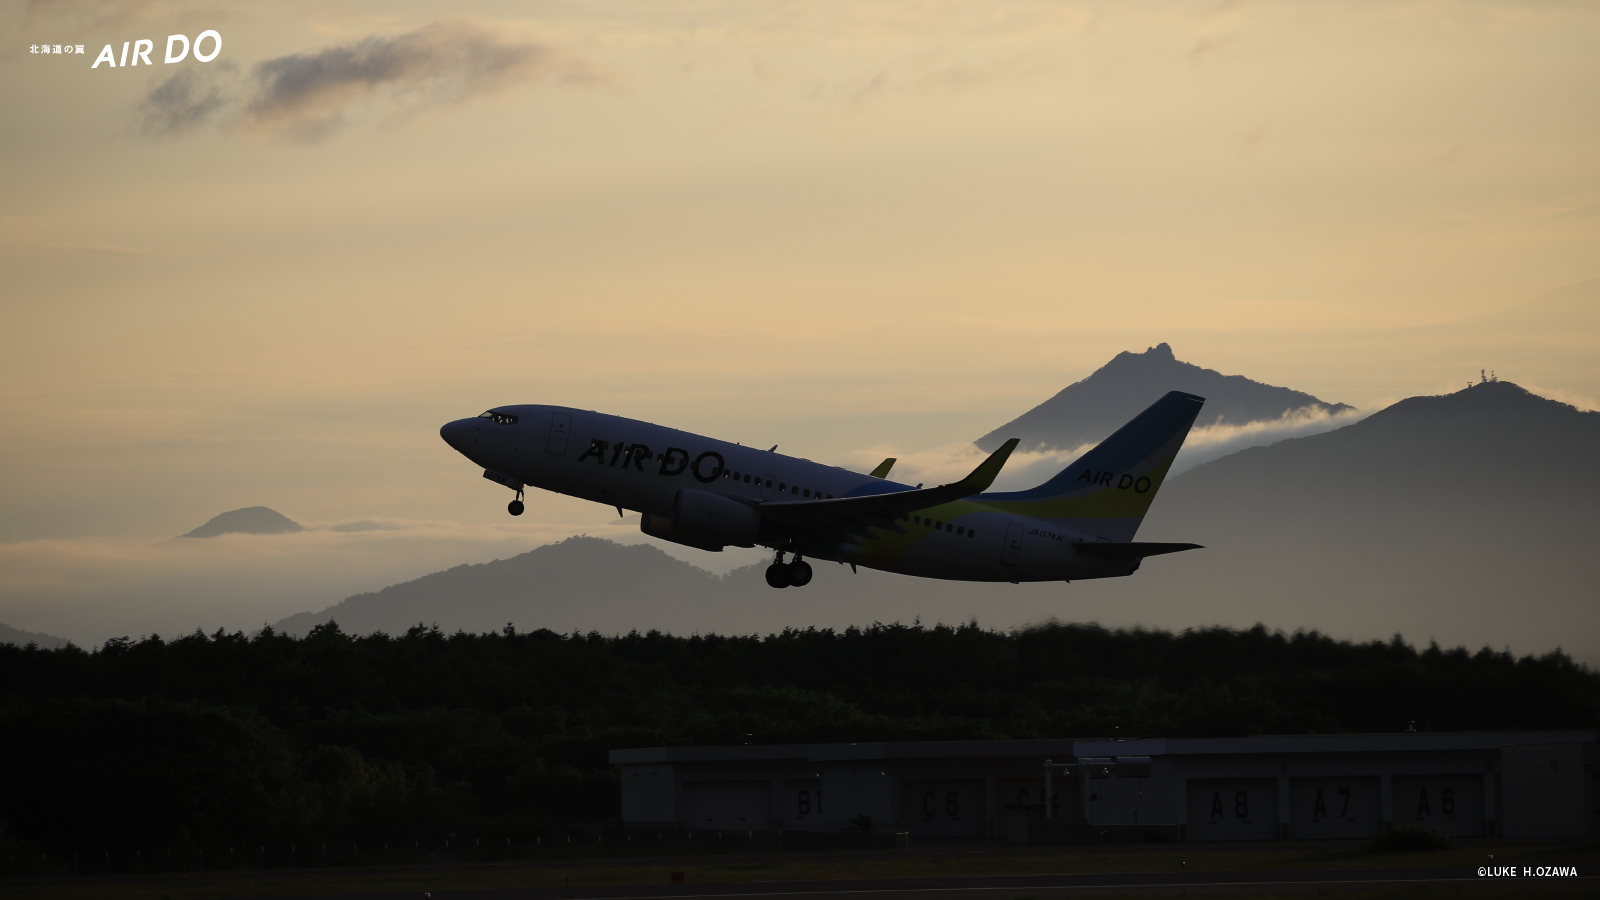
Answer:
(1233, 809)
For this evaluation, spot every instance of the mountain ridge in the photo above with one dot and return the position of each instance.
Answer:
(557, 577)
(1424, 519)
(249, 520)
(10, 635)
(1088, 410)
(1471, 513)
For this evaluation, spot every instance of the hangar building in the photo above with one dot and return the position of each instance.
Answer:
(1531, 784)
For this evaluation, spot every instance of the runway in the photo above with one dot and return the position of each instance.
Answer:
(1032, 886)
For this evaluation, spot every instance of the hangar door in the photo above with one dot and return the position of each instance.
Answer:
(1022, 799)
(802, 801)
(1451, 803)
(743, 803)
(1333, 807)
(1233, 809)
(942, 808)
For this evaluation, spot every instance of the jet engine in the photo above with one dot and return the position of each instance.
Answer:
(705, 520)
(661, 527)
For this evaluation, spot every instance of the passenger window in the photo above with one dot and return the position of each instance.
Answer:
(769, 482)
(961, 532)
(971, 533)
(795, 489)
(747, 479)
(916, 520)
(949, 528)
(829, 497)
(782, 486)
(806, 492)
(936, 525)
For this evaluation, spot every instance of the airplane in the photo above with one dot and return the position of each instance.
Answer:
(709, 494)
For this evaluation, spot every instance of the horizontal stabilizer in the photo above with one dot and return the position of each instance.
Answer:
(1130, 550)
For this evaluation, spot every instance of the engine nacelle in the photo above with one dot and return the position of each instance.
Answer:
(712, 517)
(661, 527)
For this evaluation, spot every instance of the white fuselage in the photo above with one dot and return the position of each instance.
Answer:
(639, 466)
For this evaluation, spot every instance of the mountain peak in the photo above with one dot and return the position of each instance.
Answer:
(250, 520)
(1157, 355)
(563, 585)
(1089, 410)
(1501, 393)
(1485, 410)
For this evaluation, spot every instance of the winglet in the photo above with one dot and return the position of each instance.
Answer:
(882, 471)
(986, 472)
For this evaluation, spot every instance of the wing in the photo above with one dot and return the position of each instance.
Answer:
(832, 521)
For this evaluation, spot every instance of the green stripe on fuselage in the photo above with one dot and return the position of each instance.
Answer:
(889, 547)
(1098, 503)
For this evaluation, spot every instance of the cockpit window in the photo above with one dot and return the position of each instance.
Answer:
(499, 418)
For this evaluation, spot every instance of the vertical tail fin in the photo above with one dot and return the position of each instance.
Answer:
(1107, 491)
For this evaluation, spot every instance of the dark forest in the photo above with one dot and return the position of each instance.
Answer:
(229, 738)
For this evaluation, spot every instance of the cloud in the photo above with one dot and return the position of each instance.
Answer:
(1217, 441)
(309, 96)
(443, 64)
(91, 589)
(1030, 468)
(190, 98)
(367, 525)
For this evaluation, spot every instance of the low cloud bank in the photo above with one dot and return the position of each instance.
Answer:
(1030, 468)
(93, 589)
(1217, 441)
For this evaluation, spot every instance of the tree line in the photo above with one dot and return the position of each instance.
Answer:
(209, 740)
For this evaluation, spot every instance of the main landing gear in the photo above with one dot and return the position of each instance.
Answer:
(515, 506)
(792, 574)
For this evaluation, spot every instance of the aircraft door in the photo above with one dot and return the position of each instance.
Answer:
(769, 486)
(560, 427)
(1012, 552)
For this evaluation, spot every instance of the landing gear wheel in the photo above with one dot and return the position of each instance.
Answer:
(799, 573)
(515, 508)
(778, 575)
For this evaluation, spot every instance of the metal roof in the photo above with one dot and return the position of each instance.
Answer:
(1066, 748)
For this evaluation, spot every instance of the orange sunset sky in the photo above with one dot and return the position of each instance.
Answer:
(853, 229)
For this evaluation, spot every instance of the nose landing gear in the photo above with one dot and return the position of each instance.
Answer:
(792, 574)
(515, 506)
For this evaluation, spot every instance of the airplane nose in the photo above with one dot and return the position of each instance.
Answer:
(456, 433)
